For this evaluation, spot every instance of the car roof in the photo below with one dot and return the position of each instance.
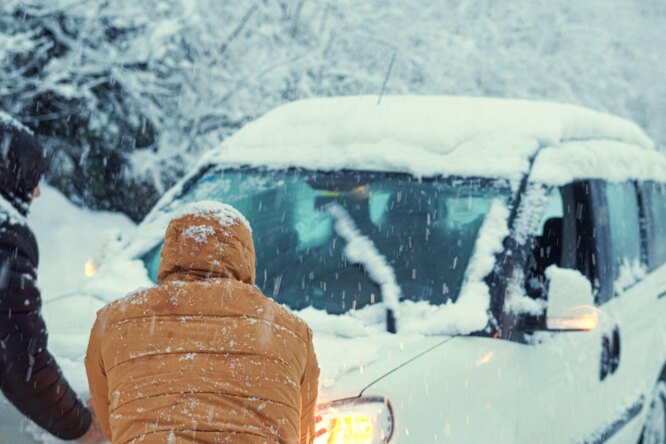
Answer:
(420, 135)
(430, 136)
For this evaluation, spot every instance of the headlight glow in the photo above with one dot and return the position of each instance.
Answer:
(89, 268)
(355, 421)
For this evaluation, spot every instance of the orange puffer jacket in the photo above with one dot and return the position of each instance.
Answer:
(204, 356)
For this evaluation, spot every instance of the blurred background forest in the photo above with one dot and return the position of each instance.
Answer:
(125, 95)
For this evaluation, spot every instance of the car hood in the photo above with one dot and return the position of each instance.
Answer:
(349, 365)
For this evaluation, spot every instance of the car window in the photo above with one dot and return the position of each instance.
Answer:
(425, 230)
(547, 249)
(565, 238)
(655, 194)
(554, 209)
(625, 233)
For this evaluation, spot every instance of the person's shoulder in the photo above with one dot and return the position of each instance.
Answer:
(15, 233)
(9, 215)
(281, 315)
(133, 305)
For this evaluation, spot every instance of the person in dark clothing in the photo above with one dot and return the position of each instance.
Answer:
(29, 376)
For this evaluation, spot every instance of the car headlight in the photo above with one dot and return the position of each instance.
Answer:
(355, 421)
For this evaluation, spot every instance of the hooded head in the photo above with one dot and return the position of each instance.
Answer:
(208, 240)
(22, 163)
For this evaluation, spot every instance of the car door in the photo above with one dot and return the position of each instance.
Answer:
(569, 391)
(634, 308)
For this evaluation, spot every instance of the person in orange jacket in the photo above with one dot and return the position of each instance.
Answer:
(204, 356)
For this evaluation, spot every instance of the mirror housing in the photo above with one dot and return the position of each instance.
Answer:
(570, 301)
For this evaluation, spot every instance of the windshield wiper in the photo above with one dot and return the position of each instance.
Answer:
(362, 251)
(390, 321)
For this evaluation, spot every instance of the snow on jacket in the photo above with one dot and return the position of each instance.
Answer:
(204, 356)
(29, 375)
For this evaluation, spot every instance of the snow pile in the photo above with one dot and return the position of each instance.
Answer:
(361, 250)
(610, 160)
(438, 124)
(117, 278)
(68, 237)
(225, 215)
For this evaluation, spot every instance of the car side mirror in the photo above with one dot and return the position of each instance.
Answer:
(570, 301)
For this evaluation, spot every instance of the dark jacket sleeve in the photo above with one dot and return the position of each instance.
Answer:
(29, 375)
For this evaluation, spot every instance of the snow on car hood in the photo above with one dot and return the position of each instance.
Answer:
(349, 365)
(351, 356)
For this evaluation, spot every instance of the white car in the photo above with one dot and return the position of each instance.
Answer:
(474, 270)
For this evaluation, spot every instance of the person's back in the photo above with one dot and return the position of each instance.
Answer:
(204, 356)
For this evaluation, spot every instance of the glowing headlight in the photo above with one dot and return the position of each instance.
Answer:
(89, 268)
(355, 421)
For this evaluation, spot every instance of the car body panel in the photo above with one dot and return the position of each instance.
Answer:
(543, 387)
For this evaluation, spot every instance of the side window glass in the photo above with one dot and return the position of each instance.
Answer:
(565, 239)
(547, 249)
(625, 231)
(656, 205)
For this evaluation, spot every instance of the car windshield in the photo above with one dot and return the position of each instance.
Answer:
(425, 230)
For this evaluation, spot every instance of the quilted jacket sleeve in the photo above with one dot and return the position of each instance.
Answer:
(29, 375)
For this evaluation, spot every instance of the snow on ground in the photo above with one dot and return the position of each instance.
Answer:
(68, 237)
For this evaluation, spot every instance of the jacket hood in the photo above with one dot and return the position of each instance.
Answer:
(22, 163)
(208, 240)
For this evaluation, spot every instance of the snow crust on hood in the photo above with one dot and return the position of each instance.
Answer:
(420, 135)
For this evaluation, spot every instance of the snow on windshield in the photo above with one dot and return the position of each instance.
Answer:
(342, 243)
(361, 250)
(470, 313)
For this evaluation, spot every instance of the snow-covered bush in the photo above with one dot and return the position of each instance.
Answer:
(129, 93)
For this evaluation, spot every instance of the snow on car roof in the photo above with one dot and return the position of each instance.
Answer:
(421, 135)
